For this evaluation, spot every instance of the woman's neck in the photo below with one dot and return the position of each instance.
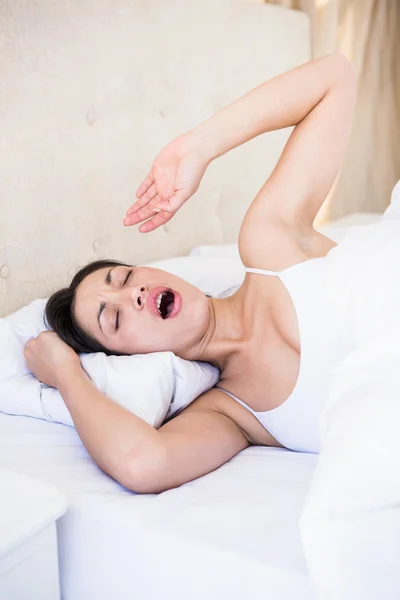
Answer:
(225, 334)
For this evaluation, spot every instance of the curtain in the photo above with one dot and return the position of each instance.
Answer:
(368, 33)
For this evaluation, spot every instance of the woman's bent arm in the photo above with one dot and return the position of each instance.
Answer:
(318, 98)
(111, 434)
(138, 456)
(283, 101)
(200, 439)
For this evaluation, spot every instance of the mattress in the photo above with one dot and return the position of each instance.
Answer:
(231, 533)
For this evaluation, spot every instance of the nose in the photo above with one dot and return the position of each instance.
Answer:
(140, 295)
(136, 296)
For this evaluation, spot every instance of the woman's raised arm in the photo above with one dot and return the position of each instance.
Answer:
(317, 97)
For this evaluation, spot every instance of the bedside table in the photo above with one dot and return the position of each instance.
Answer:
(29, 509)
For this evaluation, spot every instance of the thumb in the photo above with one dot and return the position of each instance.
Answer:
(173, 203)
(162, 205)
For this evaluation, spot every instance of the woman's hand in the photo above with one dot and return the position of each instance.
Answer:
(49, 358)
(174, 177)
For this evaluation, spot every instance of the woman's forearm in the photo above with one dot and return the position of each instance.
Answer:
(114, 437)
(279, 102)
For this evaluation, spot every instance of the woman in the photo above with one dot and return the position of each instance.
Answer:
(269, 339)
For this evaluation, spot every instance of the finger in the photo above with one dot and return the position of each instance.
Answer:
(151, 192)
(149, 195)
(49, 334)
(182, 195)
(144, 186)
(157, 221)
(146, 212)
(136, 206)
(143, 201)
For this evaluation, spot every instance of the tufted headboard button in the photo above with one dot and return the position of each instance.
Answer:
(4, 271)
(90, 117)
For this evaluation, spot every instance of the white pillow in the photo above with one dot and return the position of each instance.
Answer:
(173, 384)
(214, 275)
(226, 250)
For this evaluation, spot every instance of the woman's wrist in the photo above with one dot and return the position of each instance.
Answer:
(201, 140)
(68, 376)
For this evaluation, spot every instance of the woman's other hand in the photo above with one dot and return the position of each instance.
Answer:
(174, 177)
(49, 358)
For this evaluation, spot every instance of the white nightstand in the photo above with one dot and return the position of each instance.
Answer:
(29, 509)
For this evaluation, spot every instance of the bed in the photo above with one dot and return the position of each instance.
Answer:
(229, 534)
(82, 116)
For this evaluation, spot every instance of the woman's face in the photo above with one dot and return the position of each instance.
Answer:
(135, 310)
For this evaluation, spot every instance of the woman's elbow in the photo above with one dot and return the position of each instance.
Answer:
(344, 70)
(145, 471)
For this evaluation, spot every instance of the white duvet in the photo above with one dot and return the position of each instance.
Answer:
(351, 519)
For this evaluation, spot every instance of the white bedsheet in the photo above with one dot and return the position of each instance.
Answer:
(230, 534)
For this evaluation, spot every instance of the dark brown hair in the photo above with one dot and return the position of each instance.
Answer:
(59, 312)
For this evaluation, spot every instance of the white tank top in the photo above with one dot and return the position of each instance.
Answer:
(295, 423)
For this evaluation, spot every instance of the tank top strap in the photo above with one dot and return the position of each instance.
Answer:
(263, 272)
(237, 399)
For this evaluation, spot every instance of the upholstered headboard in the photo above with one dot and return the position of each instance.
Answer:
(90, 92)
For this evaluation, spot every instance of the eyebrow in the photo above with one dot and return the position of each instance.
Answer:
(103, 305)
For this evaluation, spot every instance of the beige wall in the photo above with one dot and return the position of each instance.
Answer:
(90, 91)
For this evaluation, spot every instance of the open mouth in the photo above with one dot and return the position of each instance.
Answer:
(164, 302)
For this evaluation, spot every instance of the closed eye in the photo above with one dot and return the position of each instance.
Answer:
(128, 276)
(124, 284)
